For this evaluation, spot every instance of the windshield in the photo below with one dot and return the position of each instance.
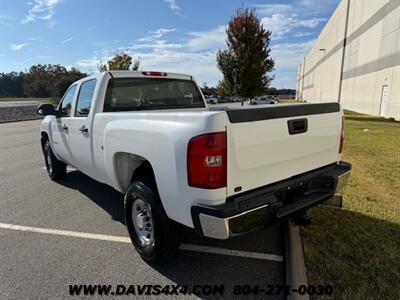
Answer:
(127, 94)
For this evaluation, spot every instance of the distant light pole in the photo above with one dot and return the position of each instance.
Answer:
(344, 51)
(323, 51)
(303, 76)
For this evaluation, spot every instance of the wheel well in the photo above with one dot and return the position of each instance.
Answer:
(145, 170)
(44, 137)
(129, 167)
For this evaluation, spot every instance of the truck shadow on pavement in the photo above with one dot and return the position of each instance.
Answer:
(192, 268)
(112, 202)
(103, 195)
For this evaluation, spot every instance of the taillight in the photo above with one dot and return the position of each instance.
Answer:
(154, 73)
(206, 161)
(341, 137)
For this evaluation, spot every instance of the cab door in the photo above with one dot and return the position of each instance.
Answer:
(60, 127)
(80, 129)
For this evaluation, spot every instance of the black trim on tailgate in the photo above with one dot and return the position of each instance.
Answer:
(267, 195)
(285, 111)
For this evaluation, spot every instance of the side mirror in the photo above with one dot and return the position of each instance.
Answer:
(46, 110)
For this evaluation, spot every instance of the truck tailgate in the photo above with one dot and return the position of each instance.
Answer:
(269, 144)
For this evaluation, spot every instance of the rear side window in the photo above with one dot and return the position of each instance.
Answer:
(85, 97)
(129, 94)
(66, 103)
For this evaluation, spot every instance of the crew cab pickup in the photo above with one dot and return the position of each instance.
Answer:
(221, 171)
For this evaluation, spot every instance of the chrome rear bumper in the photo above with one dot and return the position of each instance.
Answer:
(224, 228)
(257, 209)
(342, 182)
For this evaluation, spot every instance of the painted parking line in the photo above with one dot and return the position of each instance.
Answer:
(93, 236)
(121, 239)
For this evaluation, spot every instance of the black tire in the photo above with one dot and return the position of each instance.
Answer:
(55, 168)
(166, 238)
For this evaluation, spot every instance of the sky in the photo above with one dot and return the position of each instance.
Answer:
(167, 35)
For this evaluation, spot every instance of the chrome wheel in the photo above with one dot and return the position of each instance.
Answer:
(49, 163)
(142, 220)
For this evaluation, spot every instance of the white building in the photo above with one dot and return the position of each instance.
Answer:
(356, 59)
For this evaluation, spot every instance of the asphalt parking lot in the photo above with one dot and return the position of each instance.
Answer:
(73, 232)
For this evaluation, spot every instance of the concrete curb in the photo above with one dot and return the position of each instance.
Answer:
(18, 113)
(19, 120)
(295, 267)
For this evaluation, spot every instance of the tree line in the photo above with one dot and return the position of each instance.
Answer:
(51, 81)
(40, 81)
(216, 90)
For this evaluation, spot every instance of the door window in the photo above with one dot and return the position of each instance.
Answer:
(85, 98)
(66, 103)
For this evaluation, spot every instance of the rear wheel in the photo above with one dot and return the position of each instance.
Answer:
(155, 237)
(55, 168)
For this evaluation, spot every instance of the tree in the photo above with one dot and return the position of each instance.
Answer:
(120, 61)
(271, 91)
(11, 84)
(41, 81)
(44, 81)
(102, 67)
(246, 62)
(63, 79)
(208, 90)
(223, 89)
(228, 66)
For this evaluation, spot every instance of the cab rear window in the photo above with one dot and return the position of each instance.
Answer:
(130, 94)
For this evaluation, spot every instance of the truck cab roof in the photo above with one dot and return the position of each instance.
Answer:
(145, 74)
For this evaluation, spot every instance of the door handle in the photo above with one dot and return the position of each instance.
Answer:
(297, 126)
(84, 129)
(65, 127)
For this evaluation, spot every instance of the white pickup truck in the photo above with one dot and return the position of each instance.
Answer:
(221, 171)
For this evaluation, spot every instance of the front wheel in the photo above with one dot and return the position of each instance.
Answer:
(55, 168)
(155, 237)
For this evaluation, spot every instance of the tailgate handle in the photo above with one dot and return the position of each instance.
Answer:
(297, 126)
